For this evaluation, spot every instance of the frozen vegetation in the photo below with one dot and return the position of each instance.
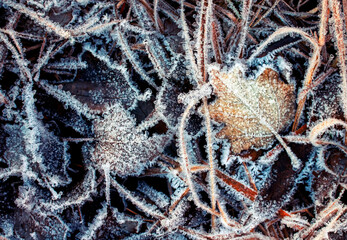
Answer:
(173, 119)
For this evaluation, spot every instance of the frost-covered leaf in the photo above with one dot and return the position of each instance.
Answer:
(80, 193)
(32, 226)
(159, 198)
(249, 107)
(323, 185)
(119, 144)
(53, 153)
(55, 158)
(326, 101)
(168, 105)
(111, 224)
(14, 148)
(104, 82)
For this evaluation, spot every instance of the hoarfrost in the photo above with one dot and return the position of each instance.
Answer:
(74, 162)
(127, 151)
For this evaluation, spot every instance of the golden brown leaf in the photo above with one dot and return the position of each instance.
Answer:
(248, 107)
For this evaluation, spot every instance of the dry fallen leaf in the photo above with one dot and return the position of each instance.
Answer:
(248, 107)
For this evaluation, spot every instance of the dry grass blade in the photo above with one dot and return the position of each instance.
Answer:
(239, 187)
(329, 215)
(51, 26)
(215, 42)
(321, 127)
(340, 34)
(186, 165)
(246, 8)
(153, 13)
(274, 5)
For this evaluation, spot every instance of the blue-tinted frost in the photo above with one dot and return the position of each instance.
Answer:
(78, 162)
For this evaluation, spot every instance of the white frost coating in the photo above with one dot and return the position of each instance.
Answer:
(106, 168)
(119, 143)
(322, 127)
(195, 95)
(159, 198)
(44, 21)
(132, 57)
(88, 187)
(176, 217)
(145, 96)
(31, 124)
(176, 182)
(37, 146)
(145, 207)
(68, 99)
(272, 157)
(96, 224)
(102, 56)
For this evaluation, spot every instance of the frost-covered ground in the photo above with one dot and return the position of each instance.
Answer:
(172, 119)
